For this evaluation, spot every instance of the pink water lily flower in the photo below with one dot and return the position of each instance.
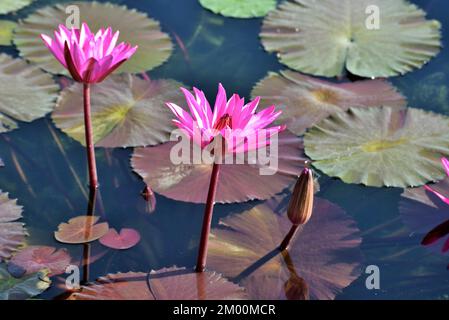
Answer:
(229, 118)
(89, 57)
(438, 194)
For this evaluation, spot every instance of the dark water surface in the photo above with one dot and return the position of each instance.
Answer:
(51, 184)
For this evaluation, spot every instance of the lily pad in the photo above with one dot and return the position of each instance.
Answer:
(35, 258)
(237, 182)
(23, 288)
(380, 146)
(328, 36)
(6, 32)
(81, 229)
(323, 258)
(12, 233)
(26, 94)
(127, 111)
(127, 238)
(304, 100)
(165, 284)
(239, 8)
(425, 214)
(7, 6)
(135, 28)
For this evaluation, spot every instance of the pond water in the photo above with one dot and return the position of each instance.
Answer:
(46, 170)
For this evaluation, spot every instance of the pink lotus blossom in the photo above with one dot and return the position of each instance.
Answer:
(230, 118)
(438, 194)
(89, 57)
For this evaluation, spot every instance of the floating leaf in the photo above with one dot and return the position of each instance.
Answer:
(305, 100)
(12, 233)
(380, 146)
(6, 32)
(26, 92)
(81, 229)
(135, 28)
(427, 215)
(23, 288)
(325, 37)
(239, 8)
(127, 238)
(323, 258)
(237, 182)
(7, 6)
(35, 258)
(165, 284)
(127, 111)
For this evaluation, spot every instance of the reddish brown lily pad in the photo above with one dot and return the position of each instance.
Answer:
(81, 229)
(324, 258)
(12, 233)
(127, 238)
(306, 100)
(237, 182)
(165, 284)
(36, 258)
(427, 215)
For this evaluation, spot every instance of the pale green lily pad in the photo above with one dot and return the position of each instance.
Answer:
(23, 288)
(127, 111)
(6, 32)
(380, 146)
(328, 36)
(135, 28)
(26, 92)
(240, 8)
(305, 100)
(7, 6)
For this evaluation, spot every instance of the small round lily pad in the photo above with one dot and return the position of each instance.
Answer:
(135, 28)
(380, 146)
(81, 229)
(127, 238)
(369, 38)
(305, 100)
(240, 8)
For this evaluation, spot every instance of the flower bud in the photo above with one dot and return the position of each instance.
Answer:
(301, 203)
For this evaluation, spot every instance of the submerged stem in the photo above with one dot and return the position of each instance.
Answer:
(93, 179)
(207, 220)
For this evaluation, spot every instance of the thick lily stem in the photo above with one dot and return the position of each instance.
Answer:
(207, 220)
(289, 237)
(93, 179)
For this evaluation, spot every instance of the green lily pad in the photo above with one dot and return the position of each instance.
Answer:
(380, 146)
(7, 6)
(127, 111)
(240, 8)
(135, 28)
(328, 36)
(26, 92)
(12, 233)
(304, 100)
(23, 288)
(6, 32)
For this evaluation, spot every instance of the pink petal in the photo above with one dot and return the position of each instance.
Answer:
(182, 115)
(439, 195)
(127, 238)
(220, 104)
(445, 165)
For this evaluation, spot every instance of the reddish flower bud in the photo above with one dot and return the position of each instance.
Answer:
(301, 203)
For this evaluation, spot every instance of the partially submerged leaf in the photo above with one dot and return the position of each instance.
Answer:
(126, 111)
(81, 229)
(305, 101)
(165, 284)
(7, 6)
(12, 233)
(239, 8)
(35, 258)
(26, 92)
(6, 32)
(323, 258)
(23, 288)
(328, 36)
(135, 28)
(237, 182)
(380, 146)
(127, 238)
